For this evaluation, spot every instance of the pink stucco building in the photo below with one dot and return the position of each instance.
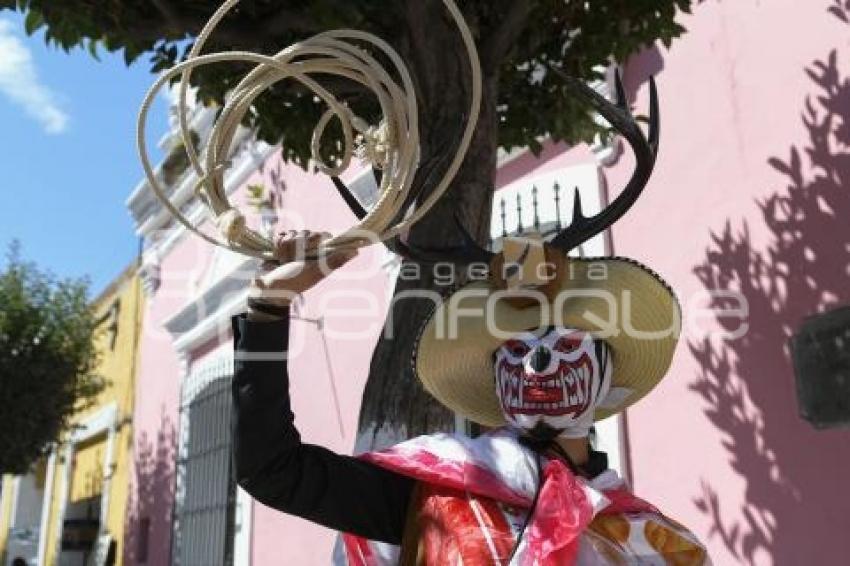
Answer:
(748, 197)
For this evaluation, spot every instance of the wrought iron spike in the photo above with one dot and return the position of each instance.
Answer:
(578, 214)
(557, 189)
(504, 218)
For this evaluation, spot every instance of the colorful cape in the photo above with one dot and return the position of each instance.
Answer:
(474, 497)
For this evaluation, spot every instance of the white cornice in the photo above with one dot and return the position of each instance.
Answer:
(201, 121)
(244, 163)
(247, 162)
(202, 318)
(212, 325)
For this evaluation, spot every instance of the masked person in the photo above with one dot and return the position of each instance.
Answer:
(532, 491)
(537, 352)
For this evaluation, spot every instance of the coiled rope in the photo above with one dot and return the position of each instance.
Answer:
(392, 145)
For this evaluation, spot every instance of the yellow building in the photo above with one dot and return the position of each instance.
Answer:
(70, 510)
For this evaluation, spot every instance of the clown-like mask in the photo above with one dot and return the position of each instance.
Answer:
(552, 382)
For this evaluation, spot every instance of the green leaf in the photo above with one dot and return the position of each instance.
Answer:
(91, 47)
(575, 36)
(33, 21)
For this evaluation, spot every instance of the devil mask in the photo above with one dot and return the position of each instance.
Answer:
(549, 383)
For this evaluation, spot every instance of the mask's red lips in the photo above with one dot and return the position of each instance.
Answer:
(564, 391)
(540, 394)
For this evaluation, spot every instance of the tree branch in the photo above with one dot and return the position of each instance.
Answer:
(243, 32)
(504, 36)
(286, 20)
(172, 18)
(338, 86)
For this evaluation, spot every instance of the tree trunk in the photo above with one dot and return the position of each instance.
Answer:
(395, 406)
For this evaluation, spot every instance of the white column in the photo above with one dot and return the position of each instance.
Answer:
(63, 497)
(108, 471)
(45, 507)
(242, 536)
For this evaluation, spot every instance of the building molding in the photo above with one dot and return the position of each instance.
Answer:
(98, 422)
(202, 318)
(105, 420)
(201, 122)
(245, 163)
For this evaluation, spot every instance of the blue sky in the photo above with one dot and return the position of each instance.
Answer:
(68, 155)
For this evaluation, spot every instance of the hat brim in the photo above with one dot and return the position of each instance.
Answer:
(617, 299)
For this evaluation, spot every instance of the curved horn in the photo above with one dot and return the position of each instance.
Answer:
(620, 117)
(349, 198)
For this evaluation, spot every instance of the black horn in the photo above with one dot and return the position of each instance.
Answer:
(349, 198)
(583, 228)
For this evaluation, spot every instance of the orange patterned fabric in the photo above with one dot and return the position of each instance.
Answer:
(473, 498)
(458, 529)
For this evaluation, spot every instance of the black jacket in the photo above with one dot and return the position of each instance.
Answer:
(277, 469)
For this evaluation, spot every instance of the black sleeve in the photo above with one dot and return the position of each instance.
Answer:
(277, 469)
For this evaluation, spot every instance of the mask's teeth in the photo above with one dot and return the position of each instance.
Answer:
(574, 385)
(585, 385)
(564, 388)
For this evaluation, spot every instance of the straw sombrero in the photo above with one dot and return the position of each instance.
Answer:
(619, 300)
(453, 357)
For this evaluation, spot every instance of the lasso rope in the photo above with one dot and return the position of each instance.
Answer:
(392, 145)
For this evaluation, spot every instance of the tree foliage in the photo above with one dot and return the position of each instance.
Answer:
(516, 38)
(47, 358)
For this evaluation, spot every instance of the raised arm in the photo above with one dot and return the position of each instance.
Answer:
(272, 463)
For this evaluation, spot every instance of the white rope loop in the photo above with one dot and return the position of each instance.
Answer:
(392, 145)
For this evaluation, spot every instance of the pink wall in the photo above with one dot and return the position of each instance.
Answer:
(155, 424)
(749, 184)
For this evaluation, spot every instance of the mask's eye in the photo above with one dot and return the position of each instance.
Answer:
(568, 343)
(516, 348)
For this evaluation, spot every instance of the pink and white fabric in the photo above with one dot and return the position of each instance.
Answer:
(486, 485)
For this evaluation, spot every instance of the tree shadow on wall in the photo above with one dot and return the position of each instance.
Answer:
(148, 521)
(796, 507)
